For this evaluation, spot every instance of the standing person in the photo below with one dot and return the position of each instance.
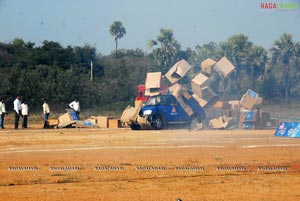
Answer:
(2, 113)
(46, 111)
(25, 113)
(17, 108)
(75, 106)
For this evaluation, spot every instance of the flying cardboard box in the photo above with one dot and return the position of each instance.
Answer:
(224, 67)
(152, 84)
(198, 83)
(206, 65)
(250, 99)
(178, 71)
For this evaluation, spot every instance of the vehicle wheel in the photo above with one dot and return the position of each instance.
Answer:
(135, 127)
(157, 122)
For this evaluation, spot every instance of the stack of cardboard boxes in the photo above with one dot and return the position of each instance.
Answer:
(250, 113)
(202, 91)
(224, 113)
(106, 121)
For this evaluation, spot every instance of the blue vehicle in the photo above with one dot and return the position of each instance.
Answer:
(163, 110)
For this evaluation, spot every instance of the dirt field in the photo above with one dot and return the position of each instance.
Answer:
(120, 164)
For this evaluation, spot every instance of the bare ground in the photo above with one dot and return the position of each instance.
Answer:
(120, 164)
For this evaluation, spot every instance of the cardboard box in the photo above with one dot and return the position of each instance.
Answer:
(153, 83)
(222, 104)
(250, 99)
(252, 93)
(248, 102)
(143, 122)
(218, 123)
(85, 124)
(68, 118)
(224, 67)
(206, 65)
(248, 116)
(176, 90)
(93, 121)
(130, 114)
(178, 71)
(52, 122)
(64, 118)
(114, 123)
(101, 121)
(198, 83)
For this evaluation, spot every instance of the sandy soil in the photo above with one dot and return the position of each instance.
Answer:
(120, 164)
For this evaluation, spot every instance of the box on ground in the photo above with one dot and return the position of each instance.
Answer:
(219, 123)
(114, 123)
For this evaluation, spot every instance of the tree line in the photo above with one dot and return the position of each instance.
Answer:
(60, 73)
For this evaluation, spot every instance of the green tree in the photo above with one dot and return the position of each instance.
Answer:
(284, 54)
(166, 53)
(258, 61)
(117, 30)
(237, 49)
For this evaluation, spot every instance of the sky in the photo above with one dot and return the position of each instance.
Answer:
(194, 22)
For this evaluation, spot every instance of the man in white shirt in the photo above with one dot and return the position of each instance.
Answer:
(24, 112)
(75, 106)
(46, 111)
(17, 109)
(2, 113)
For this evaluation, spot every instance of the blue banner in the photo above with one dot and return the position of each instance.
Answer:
(288, 129)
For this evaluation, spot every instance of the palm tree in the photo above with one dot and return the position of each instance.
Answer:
(165, 55)
(237, 49)
(258, 60)
(118, 31)
(284, 54)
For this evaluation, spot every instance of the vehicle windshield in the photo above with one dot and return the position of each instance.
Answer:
(161, 100)
(154, 100)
